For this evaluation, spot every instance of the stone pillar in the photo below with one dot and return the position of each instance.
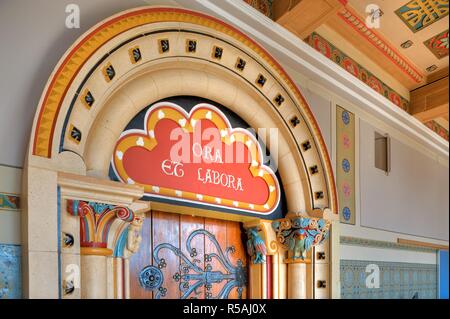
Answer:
(93, 277)
(68, 252)
(126, 270)
(282, 276)
(300, 275)
(261, 243)
(297, 235)
(257, 251)
(105, 231)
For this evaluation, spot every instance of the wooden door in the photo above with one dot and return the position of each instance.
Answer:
(182, 256)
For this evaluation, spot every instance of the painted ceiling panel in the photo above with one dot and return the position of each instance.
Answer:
(417, 21)
(438, 44)
(419, 14)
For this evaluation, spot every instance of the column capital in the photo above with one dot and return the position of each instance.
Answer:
(105, 228)
(299, 234)
(261, 239)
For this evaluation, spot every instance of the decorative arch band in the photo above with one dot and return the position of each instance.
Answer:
(74, 60)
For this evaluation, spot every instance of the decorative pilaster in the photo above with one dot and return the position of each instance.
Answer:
(106, 231)
(262, 247)
(299, 234)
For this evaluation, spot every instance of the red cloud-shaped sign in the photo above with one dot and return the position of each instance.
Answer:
(196, 157)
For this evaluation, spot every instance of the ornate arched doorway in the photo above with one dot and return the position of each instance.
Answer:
(91, 148)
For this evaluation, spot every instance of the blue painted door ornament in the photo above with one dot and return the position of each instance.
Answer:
(191, 276)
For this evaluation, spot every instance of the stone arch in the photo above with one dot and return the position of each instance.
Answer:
(140, 56)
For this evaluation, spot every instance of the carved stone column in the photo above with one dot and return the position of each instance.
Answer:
(264, 280)
(100, 223)
(103, 233)
(298, 235)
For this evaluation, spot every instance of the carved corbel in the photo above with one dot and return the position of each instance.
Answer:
(134, 237)
(299, 234)
(134, 231)
(256, 248)
(261, 240)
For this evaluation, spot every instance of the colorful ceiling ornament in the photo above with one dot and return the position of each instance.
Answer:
(357, 70)
(374, 38)
(438, 44)
(419, 14)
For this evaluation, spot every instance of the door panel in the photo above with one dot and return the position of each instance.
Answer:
(234, 239)
(182, 256)
(189, 224)
(166, 231)
(139, 260)
(219, 229)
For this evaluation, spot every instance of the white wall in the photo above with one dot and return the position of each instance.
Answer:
(412, 198)
(321, 108)
(33, 38)
(411, 203)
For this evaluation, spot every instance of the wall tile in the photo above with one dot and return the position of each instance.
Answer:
(396, 280)
(10, 272)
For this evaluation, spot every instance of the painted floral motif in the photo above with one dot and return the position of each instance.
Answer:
(375, 84)
(395, 98)
(346, 141)
(351, 66)
(346, 189)
(438, 129)
(346, 165)
(345, 117)
(346, 213)
(364, 77)
(345, 155)
(324, 47)
(438, 44)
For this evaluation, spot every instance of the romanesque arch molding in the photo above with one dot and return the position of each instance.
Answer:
(136, 58)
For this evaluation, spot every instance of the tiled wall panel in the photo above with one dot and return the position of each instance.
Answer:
(397, 280)
(10, 272)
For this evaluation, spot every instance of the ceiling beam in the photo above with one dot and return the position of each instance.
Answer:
(430, 101)
(300, 58)
(350, 26)
(442, 73)
(302, 17)
(432, 114)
